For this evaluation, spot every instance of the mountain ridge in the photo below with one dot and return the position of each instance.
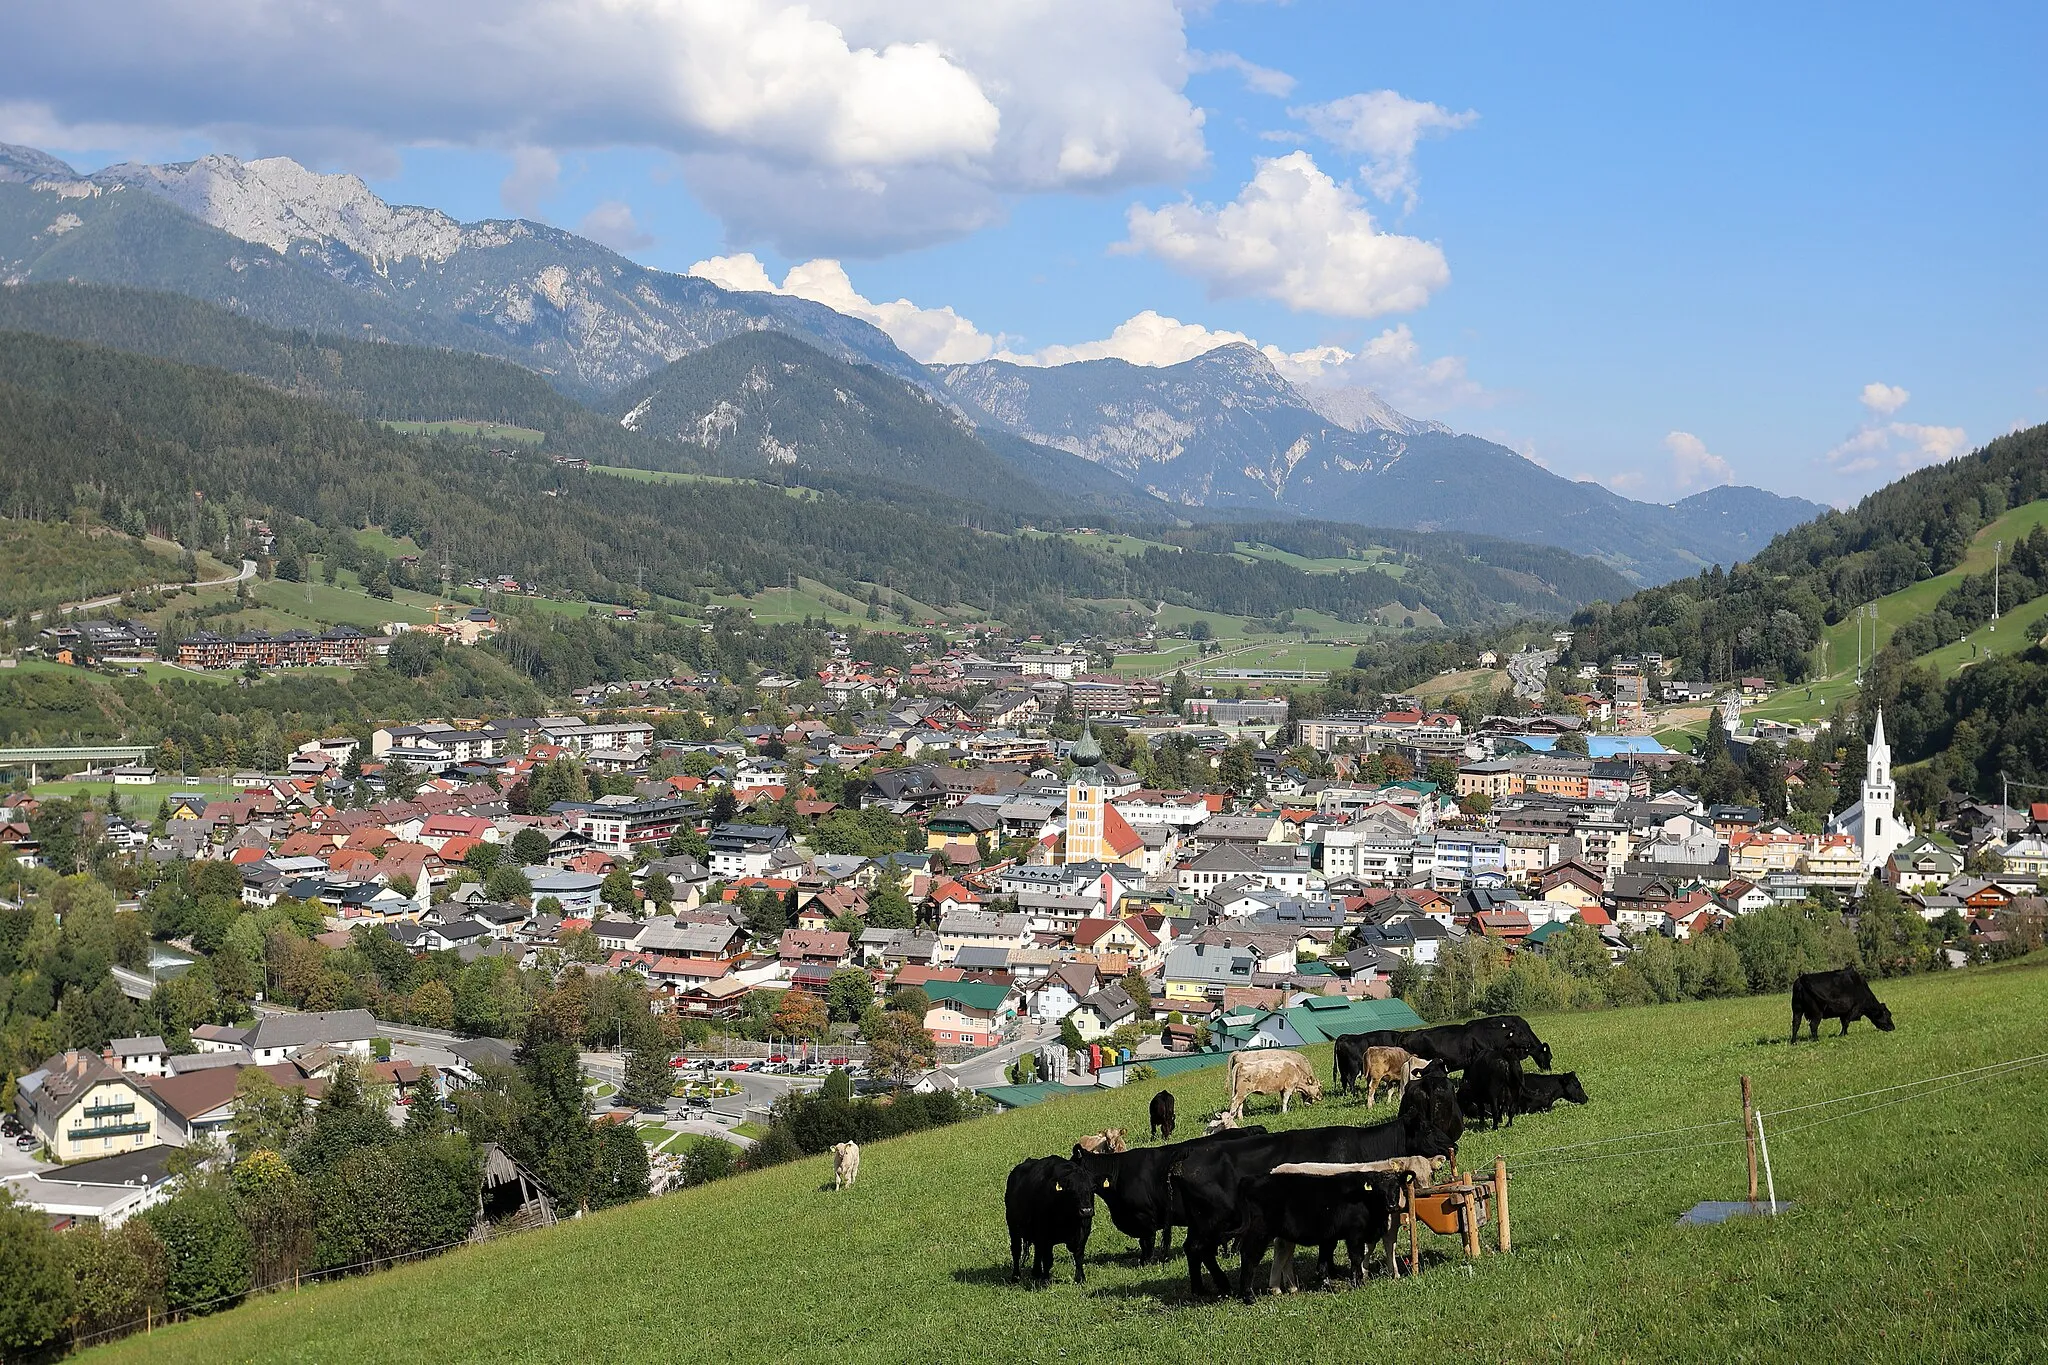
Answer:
(1223, 432)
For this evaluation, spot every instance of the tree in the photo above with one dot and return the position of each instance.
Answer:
(267, 1116)
(649, 1080)
(35, 1285)
(848, 993)
(619, 893)
(1070, 1035)
(661, 892)
(1140, 990)
(117, 1275)
(551, 1136)
(530, 846)
(1570, 742)
(709, 1159)
(799, 1014)
(911, 1000)
(209, 1257)
(424, 1116)
(432, 1005)
(766, 914)
(900, 1047)
(889, 907)
(507, 883)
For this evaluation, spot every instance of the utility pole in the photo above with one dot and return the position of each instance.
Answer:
(1997, 553)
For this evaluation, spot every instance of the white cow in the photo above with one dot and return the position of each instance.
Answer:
(845, 1165)
(1269, 1072)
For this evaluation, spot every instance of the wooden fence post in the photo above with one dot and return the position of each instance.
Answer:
(1749, 1136)
(1500, 1198)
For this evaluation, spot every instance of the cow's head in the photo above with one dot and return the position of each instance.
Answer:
(1572, 1090)
(1431, 1110)
(1073, 1189)
(1540, 1054)
(1879, 1014)
(1312, 1089)
(1416, 1067)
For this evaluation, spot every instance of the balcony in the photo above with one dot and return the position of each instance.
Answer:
(108, 1130)
(101, 1111)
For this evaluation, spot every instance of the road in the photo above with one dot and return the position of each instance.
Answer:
(248, 571)
(987, 1068)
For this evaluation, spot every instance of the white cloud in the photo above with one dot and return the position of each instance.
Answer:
(1295, 235)
(804, 124)
(535, 177)
(1897, 446)
(612, 224)
(935, 336)
(1693, 466)
(1383, 127)
(1893, 446)
(1261, 80)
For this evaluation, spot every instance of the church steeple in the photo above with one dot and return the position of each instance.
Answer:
(1878, 763)
(1087, 752)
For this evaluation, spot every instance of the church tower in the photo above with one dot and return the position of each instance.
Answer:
(1085, 801)
(1877, 828)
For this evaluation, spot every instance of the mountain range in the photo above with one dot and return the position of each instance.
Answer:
(1222, 434)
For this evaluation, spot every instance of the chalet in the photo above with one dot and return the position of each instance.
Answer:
(799, 946)
(968, 1013)
(78, 1106)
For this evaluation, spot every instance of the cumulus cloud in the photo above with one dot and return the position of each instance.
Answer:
(535, 176)
(1296, 235)
(612, 224)
(1261, 80)
(1383, 127)
(935, 336)
(1893, 446)
(1693, 466)
(884, 116)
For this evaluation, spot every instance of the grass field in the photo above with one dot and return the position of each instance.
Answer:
(489, 431)
(678, 476)
(1916, 1232)
(1367, 559)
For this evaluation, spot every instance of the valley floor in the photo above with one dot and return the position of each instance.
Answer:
(1917, 1231)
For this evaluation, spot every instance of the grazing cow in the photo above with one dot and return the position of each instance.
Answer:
(1320, 1208)
(1492, 1090)
(1162, 1116)
(1540, 1094)
(1841, 994)
(1135, 1189)
(1285, 1074)
(1049, 1201)
(1108, 1140)
(1457, 1046)
(1390, 1066)
(1513, 1036)
(1225, 1122)
(1206, 1179)
(845, 1165)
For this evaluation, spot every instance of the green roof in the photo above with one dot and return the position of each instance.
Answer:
(1017, 1096)
(976, 995)
(1326, 1017)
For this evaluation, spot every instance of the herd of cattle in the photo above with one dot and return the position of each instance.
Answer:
(1320, 1186)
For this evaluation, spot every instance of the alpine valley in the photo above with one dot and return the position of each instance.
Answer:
(678, 363)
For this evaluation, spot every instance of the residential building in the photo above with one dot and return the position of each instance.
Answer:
(79, 1106)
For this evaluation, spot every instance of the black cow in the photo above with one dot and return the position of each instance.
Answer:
(1135, 1189)
(1515, 1037)
(1207, 1178)
(1457, 1046)
(1540, 1094)
(1319, 1211)
(1049, 1201)
(1162, 1115)
(1841, 994)
(1492, 1090)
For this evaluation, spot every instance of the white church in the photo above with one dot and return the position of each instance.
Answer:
(1871, 822)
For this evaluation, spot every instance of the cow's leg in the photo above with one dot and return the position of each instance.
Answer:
(1145, 1249)
(1041, 1263)
(1079, 1246)
(1845, 1027)
(1248, 1267)
(1393, 1242)
(1016, 1258)
(1194, 1256)
(1795, 1023)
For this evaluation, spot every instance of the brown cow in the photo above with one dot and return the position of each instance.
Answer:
(1384, 1065)
(1268, 1072)
(1108, 1140)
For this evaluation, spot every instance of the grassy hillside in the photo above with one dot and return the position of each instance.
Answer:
(1916, 1232)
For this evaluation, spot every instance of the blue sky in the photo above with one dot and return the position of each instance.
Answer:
(1794, 246)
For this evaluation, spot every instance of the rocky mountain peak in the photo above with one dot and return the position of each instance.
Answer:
(19, 164)
(275, 201)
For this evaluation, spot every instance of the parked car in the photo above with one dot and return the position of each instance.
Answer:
(26, 1142)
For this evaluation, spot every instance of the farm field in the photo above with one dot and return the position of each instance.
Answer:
(489, 431)
(1471, 681)
(1367, 559)
(1914, 1232)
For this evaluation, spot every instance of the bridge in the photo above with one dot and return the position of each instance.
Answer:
(83, 753)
